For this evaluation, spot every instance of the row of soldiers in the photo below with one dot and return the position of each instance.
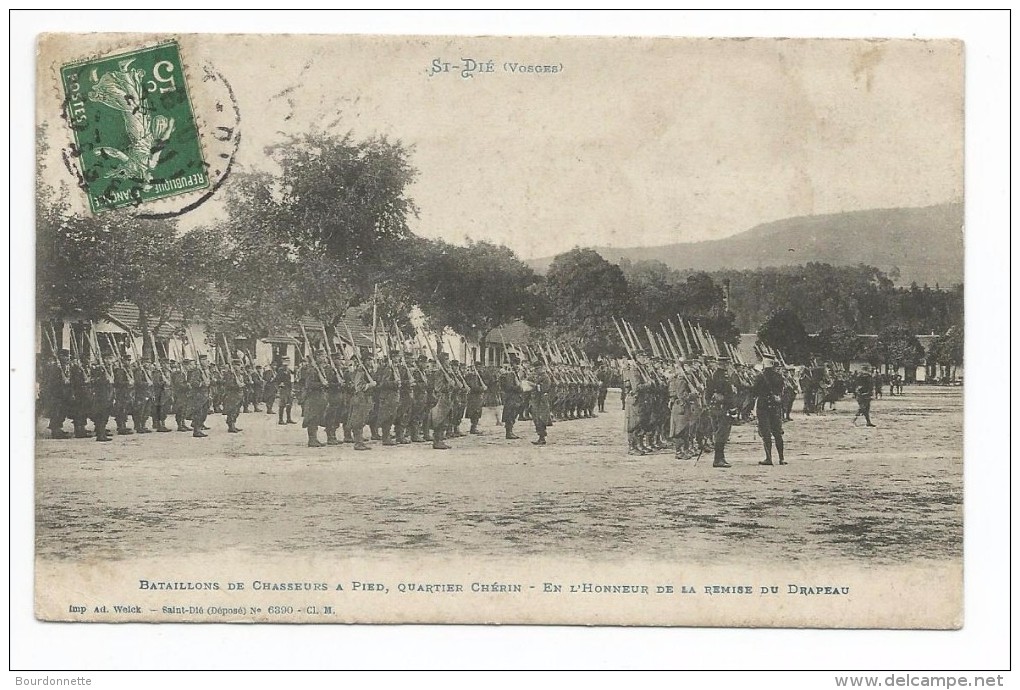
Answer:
(402, 400)
(691, 404)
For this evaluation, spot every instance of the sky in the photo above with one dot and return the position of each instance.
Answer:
(631, 142)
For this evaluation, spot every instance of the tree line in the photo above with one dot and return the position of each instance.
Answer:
(329, 231)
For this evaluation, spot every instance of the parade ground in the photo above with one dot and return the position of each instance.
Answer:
(891, 494)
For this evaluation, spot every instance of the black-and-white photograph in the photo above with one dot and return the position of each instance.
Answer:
(623, 331)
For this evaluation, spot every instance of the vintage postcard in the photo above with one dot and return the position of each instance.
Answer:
(425, 329)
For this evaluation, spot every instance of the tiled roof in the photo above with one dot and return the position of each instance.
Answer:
(127, 315)
(518, 333)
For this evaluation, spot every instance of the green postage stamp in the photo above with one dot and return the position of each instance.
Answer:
(134, 127)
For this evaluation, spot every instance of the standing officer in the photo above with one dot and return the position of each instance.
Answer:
(767, 391)
(721, 392)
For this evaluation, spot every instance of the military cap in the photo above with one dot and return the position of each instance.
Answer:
(187, 360)
(722, 359)
(285, 359)
(65, 353)
(337, 355)
(422, 359)
(127, 356)
(203, 356)
(235, 360)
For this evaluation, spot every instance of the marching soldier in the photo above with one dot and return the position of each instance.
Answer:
(198, 390)
(387, 394)
(314, 384)
(405, 401)
(142, 396)
(510, 385)
(56, 393)
(123, 384)
(361, 405)
(103, 396)
(182, 394)
(541, 412)
(232, 383)
(81, 398)
(338, 402)
(421, 401)
(476, 392)
(440, 384)
(162, 395)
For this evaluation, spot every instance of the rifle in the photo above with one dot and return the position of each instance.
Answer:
(206, 378)
(357, 353)
(329, 352)
(629, 349)
(685, 352)
(439, 363)
(315, 364)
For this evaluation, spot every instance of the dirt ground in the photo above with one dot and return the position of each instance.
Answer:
(891, 494)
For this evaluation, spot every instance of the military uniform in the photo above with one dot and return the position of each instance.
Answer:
(232, 385)
(475, 396)
(513, 399)
(439, 415)
(123, 392)
(284, 385)
(405, 401)
(337, 399)
(720, 393)
(361, 406)
(182, 395)
(864, 390)
(162, 397)
(541, 411)
(141, 403)
(103, 398)
(767, 393)
(56, 394)
(199, 397)
(313, 384)
(387, 394)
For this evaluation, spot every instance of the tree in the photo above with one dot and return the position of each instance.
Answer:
(947, 352)
(585, 292)
(784, 331)
(474, 289)
(898, 347)
(838, 344)
(316, 238)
